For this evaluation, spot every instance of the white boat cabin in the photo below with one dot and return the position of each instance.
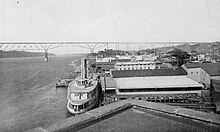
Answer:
(83, 83)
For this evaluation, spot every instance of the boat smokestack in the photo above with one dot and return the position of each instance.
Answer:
(84, 68)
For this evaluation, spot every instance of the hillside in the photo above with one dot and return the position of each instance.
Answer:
(16, 54)
(199, 47)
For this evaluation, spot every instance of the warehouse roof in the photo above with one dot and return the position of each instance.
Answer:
(148, 72)
(137, 115)
(156, 82)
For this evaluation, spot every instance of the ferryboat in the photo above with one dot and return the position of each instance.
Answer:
(83, 92)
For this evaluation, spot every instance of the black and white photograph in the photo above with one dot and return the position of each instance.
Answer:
(109, 65)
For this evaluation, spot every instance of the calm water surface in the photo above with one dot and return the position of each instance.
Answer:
(28, 97)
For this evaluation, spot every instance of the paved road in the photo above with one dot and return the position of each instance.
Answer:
(28, 97)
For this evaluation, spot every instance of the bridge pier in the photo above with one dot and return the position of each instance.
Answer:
(92, 50)
(46, 55)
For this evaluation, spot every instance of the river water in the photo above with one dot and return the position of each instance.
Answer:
(28, 96)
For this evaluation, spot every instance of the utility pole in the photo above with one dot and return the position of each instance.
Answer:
(105, 86)
(116, 50)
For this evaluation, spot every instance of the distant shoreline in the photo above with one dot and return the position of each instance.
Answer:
(78, 54)
(24, 57)
(65, 55)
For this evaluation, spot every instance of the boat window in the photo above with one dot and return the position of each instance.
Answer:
(79, 83)
(78, 96)
(74, 107)
(86, 82)
(82, 82)
(80, 107)
(86, 105)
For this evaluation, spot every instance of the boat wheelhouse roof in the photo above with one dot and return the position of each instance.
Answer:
(156, 82)
(82, 89)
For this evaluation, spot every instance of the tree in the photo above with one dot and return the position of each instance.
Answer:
(193, 52)
(181, 56)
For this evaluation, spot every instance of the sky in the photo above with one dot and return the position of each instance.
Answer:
(109, 20)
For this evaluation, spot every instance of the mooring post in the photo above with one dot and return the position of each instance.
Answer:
(46, 55)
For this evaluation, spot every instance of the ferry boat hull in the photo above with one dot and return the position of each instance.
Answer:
(89, 97)
(83, 93)
(72, 111)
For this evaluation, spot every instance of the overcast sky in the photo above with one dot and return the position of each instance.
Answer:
(110, 20)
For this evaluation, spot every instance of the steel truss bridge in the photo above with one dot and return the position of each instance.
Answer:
(45, 46)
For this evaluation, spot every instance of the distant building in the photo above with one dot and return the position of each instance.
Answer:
(104, 66)
(201, 57)
(129, 57)
(123, 57)
(198, 75)
(193, 57)
(213, 69)
(202, 72)
(158, 64)
(123, 60)
(171, 60)
(208, 58)
(150, 57)
(215, 58)
(165, 65)
(212, 58)
(134, 65)
(133, 59)
(106, 59)
(216, 85)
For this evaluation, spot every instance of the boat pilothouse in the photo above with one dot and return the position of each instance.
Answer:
(83, 93)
